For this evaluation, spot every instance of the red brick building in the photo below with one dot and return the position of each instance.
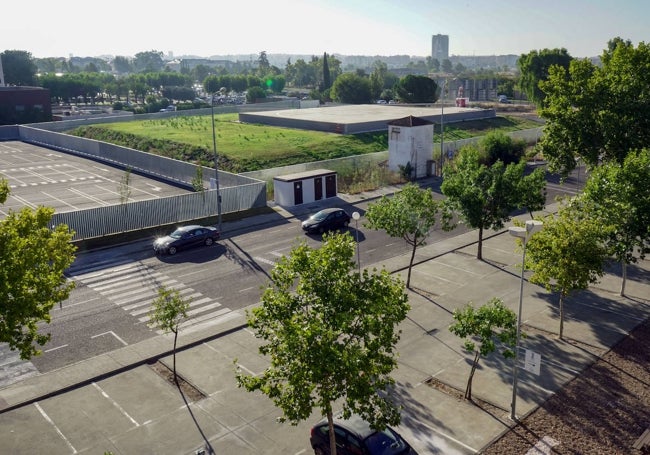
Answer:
(20, 105)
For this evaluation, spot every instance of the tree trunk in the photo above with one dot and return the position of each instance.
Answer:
(408, 276)
(330, 424)
(624, 273)
(468, 389)
(561, 315)
(174, 355)
(479, 253)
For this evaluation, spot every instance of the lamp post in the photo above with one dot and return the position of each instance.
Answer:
(523, 233)
(216, 166)
(442, 124)
(356, 216)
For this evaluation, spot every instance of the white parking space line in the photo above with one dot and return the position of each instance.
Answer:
(86, 195)
(62, 201)
(47, 418)
(56, 348)
(110, 332)
(116, 404)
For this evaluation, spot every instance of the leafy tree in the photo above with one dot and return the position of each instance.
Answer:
(499, 146)
(350, 88)
(487, 325)
(620, 199)
(18, 67)
(410, 214)
(148, 62)
(597, 113)
(168, 310)
(255, 93)
(485, 196)
(535, 66)
(33, 257)
(377, 78)
(569, 253)
(417, 89)
(263, 65)
(327, 77)
(447, 66)
(330, 333)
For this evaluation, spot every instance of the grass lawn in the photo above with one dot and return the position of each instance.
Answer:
(249, 147)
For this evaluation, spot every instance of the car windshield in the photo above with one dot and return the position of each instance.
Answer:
(320, 216)
(385, 442)
(177, 234)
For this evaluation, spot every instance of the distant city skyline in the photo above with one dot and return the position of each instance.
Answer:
(311, 27)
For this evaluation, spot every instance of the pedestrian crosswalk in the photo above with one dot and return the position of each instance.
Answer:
(134, 286)
(12, 367)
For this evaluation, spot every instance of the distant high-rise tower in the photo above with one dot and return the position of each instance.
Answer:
(440, 47)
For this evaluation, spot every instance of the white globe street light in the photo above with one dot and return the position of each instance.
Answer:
(523, 233)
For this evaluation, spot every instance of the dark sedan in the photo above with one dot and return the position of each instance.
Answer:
(186, 237)
(326, 220)
(355, 437)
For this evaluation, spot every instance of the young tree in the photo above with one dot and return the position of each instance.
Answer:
(417, 89)
(410, 214)
(569, 253)
(619, 198)
(33, 257)
(597, 113)
(327, 79)
(330, 333)
(485, 196)
(487, 325)
(351, 88)
(168, 310)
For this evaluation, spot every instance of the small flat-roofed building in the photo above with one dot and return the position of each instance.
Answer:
(304, 187)
(410, 144)
(20, 105)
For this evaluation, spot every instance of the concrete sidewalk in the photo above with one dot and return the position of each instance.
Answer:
(115, 402)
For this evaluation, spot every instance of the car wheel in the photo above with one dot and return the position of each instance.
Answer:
(172, 250)
(319, 451)
(346, 223)
(209, 241)
(321, 230)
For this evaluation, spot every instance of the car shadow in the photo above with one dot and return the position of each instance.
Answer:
(197, 255)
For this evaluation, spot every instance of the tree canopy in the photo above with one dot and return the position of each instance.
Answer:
(33, 257)
(19, 67)
(485, 196)
(330, 335)
(534, 67)
(410, 214)
(416, 89)
(596, 113)
(351, 88)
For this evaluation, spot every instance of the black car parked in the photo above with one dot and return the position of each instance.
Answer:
(355, 437)
(326, 220)
(186, 237)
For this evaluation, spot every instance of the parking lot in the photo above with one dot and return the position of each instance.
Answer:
(65, 182)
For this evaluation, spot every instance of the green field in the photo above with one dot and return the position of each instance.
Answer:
(247, 147)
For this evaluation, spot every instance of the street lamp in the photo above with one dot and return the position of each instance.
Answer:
(356, 216)
(442, 123)
(216, 166)
(523, 233)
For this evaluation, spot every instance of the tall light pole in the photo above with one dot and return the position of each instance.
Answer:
(442, 124)
(356, 216)
(523, 233)
(216, 166)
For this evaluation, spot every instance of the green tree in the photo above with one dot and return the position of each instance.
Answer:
(569, 253)
(19, 67)
(352, 89)
(410, 214)
(485, 326)
(263, 65)
(498, 146)
(534, 67)
(485, 196)
(330, 333)
(377, 78)
(168, 310)
(33, 257)
(447, 66)
(417, 89)
(327, 77)
(596, 113)
(148, 62)
(619, 198)
(255, 93)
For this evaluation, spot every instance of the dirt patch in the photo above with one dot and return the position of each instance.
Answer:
(190, 392)
(492, 409)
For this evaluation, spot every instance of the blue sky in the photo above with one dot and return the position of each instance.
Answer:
(49, 28)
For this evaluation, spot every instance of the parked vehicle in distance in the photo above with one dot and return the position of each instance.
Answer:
(326, 220)
(504, 99)
(186, 237)
(355, 437)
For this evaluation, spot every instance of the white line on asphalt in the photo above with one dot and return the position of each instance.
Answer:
(105, 395)
(110, 332)
(70, 305)
(246, 289)
(246, 369)
(54, 349)
(446, 436)
(46, 417)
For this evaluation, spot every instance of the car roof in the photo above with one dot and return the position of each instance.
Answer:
(355, 424)
(331, 210)
(189, 227)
